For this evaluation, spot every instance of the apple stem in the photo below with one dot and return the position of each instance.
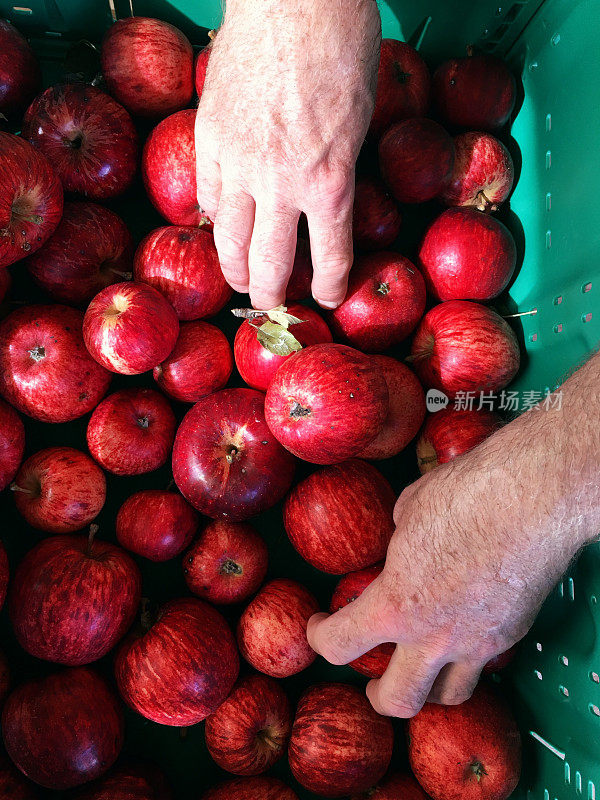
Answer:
(14, 487)
(36, 219)
(93, 531)
(470, 50)
(267, 738)
(127, 276)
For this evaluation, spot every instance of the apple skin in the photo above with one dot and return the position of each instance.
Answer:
(251, 789)
(45, 370)
(249, 732)
(340, 518)
(200, 363)
(376, 220)
(147, 65)
(89, 139)
(397, 786)
(4, 574)
(227, 563)
(339, 744)
(467, 255)
(90, 249)
(200, 68)
(271, 632)
(59, 490)
(130, 781)
(226, 461)
(73, 598)
(156, 524)
(300, 281)
(466, 751)
(31, 199)
(182, 263)
(385, 301)
(13, 786)
(12, 443)
(65, 729)
(256, 364)
(450, 432)
(182, 668)
(465, 347)
(416, 158)
(20, 74)
(131, 432)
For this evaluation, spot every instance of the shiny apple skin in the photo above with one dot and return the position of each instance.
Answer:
(397, 786)
(90, 249)
(327, 403)
(13, 785)
(129, 781)
(465, 347)
(12, 443)
(4, 574)
(129, 328)
(147, 65)
(271, 632)
(183, 668)
(200, 68)
(65, 729)
(182, 263)
(226, 461)
(257, 788)
(227, 563)
(156, 524)
(71, 601)
(200, 363)
(20, 74)
(61, 490)
(300, 281)
(376, 221)
(249, 732)
(256, 364)
(339, 744)
(450, 432)
(45, 370)
(89, 139)
(131, 432)
(31, 199)
(340, 518)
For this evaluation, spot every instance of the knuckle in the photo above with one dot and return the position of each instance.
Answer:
(331, 188)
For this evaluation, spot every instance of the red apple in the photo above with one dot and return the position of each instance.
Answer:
(182, 668)
(200, 68)
(272, 629)
(12, 443)
(227, 563)
(73, 598)
(59, 490)
(483, 173)
(339, 744)
(182, 263)
(90, 249)
(4, 573)
(63, 730)
(31, 199)
(20, 74)
(465, 347)
(130, 781)
(226, 461)
(249, 732)
(477, 92)
(502, 660)
(45, 370)
(300, 281)
(384, 303)
(416, 157)
(340, 518)
(397, 786)
(5, 282)
(467, 255)
(200, 363)
(4, 682)
(481, 752)
(13, 786)
(376, 220)
(89, 139)
(251, 789)
(450, 432)
(256, 364)
(130, 328)
(147, 65)
(132, 432)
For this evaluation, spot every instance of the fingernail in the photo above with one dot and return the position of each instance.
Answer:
(327, 304)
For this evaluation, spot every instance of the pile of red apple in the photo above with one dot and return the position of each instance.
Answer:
(333, 390)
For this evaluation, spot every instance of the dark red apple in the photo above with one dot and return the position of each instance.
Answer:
(300, 281)
(465, 347)
(31, 199)
(249, 732)
(13, 786)
(450, 432)
(200, 363)
(271, 632)
(340, 518)
(89, 139)
(4, 682)
(20, 74)
(4, 574)
(182, 668)
(502, 660)
(45, 370)
(182, 263)
(147, 65)
(12, 443)
(339, 744)
(376, 220)
(5, 282)
(251, 789)
(131, 432)
(468, 751)
(130, 781)
(384, 303)
(63, 730)
(59, 490)
(467, 255)
(90, 249)
(200, 68)
(227, 563)
(416, 157)
(226, 461)
(398, 786)
(130, 328)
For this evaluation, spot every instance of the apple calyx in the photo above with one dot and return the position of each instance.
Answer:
(231, 454)
(143, 422)
(230, 567)
(38, 353)
(478, 770)
(483, 203)
(383, 288)
(75, 142)
(297, 411)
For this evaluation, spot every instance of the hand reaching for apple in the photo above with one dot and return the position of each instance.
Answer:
(286, 104)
